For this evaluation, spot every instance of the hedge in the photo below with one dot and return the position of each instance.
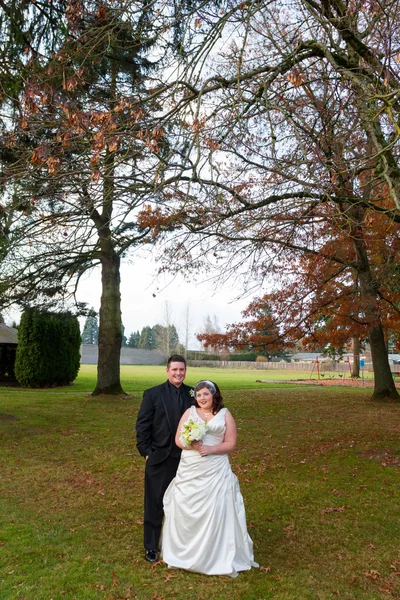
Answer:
(48, 352)
(245, 356)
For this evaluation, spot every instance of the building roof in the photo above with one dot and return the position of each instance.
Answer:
(305, 356)
(8, 335)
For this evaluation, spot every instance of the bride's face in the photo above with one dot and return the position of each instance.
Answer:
(204, 399)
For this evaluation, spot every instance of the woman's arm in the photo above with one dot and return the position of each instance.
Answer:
(183, 420)
(229, 442)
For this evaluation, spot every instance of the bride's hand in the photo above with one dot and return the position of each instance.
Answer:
(205, 450)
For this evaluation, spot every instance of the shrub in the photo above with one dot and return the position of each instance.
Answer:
(246, 356)
(193, 355)
(48, 350)
(261, 358)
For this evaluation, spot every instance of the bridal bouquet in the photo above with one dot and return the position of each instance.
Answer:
(192, 432)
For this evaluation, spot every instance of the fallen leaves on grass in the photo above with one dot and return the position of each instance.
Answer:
(265, 569)
(289, 530)
(395, 567)
(332, 509)
(387, 590)
(373, 574)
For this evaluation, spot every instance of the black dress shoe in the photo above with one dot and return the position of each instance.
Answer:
(151, 556)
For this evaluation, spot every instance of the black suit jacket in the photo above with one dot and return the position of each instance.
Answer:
(155, 428)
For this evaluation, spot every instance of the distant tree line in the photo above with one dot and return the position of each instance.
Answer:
(158, 337)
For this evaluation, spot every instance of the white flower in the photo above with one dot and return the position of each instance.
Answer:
(192, 431)
(191, 393)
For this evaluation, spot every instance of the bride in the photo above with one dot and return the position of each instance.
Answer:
(205, 522)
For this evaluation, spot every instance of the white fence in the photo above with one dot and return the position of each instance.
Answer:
(324, 366)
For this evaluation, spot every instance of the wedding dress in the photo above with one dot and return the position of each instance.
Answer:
(205, 522)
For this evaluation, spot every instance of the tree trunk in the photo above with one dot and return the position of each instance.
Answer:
(384, 386)
(356, 357)
(110, 336)
(110, 323)
(384, 383)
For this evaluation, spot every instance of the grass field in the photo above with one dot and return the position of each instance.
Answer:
(138, 378)
(318, 468)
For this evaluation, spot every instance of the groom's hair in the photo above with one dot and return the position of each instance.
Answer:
(176, 358)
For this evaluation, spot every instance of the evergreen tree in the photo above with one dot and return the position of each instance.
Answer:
(48, 350)
(146, 341)
(124, 338)
(86, 143)
(90, 331)
(133, 341)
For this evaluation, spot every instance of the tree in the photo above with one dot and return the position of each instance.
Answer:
(258, 332)
(165, 338)
(133, 341)
(87, 143)
(323, 76)
(48, 351)
(124, 338)
(187, 326)
(146, 340)
(210, 331)
(90, 331)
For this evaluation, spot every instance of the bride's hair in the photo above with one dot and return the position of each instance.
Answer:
(217, 402)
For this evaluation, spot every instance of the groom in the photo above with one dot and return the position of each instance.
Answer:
(159, 414)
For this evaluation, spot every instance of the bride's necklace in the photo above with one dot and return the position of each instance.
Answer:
(206, 414)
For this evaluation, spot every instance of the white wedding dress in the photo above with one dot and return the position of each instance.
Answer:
(205, 522)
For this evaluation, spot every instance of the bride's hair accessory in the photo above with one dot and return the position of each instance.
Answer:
(205, 383)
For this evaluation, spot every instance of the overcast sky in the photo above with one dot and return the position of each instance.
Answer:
(140, 307)
(143, 300)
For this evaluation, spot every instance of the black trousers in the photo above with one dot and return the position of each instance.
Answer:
(156, 480)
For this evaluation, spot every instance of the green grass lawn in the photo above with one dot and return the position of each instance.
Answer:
(318, 468)
(137, 378)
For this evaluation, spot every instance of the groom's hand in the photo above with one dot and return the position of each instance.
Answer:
(197, 445)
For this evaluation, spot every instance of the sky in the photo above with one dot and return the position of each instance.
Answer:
(143, 299)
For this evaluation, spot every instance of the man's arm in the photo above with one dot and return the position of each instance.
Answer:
(144, 425)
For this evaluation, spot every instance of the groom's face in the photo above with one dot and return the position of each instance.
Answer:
(176, 373)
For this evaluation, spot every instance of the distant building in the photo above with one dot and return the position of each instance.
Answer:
(129, 356)
(8, 349)
(394, 359)
(308, 357)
